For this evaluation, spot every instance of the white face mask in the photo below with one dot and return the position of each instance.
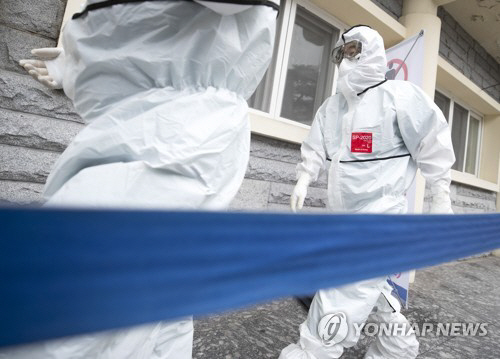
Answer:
(346, 67)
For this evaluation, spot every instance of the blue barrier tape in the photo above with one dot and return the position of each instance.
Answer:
(66, 272)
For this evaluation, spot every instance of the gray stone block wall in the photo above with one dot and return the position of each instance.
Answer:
(36, 124)
(40, 17)
(467, 199)
(270, 179)
(392, 7)
(468, 56)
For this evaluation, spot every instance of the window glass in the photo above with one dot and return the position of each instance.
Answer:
(472, 146)
(465, 134)
(458, 135)
(310, 71)
(443, 103)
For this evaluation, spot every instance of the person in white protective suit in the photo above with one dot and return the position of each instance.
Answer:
(162, 86)
(375, 133)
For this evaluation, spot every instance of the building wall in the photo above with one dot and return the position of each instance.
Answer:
(467, 199)
(470, 58)
(459, 48)
(270, 179)
(392, 7)
(36, 124)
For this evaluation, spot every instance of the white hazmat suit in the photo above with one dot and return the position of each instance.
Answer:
(376, 134)
(162, 86)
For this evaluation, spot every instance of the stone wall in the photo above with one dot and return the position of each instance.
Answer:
(270, 179)
(36, 124)
(467, 199)
(392, 7)
(470, 58)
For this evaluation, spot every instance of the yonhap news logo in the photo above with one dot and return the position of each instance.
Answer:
(422, 329)
(333, 329)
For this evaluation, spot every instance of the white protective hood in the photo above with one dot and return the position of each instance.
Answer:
(356, 76)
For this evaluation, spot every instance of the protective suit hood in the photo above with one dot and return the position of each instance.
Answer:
(369, 70)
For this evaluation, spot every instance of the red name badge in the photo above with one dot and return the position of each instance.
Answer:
(361, 142)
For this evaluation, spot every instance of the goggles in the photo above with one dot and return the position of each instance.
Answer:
(349, 50)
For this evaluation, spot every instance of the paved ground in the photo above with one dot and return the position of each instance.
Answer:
(466, 291)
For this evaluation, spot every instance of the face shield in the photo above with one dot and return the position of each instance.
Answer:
(350, 50)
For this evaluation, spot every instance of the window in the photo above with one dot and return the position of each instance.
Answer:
(301, 75)
(443, 103)
(465, 133)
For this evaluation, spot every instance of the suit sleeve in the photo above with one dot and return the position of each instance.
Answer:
(427, 136)
(313, 151)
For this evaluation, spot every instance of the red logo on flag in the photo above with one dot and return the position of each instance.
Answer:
(361, 142)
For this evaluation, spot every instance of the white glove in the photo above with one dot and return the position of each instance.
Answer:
(300, 192)
(441, 202)
(47, 70)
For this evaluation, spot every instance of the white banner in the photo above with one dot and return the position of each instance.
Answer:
(405, 61)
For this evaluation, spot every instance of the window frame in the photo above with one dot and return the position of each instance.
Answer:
(471, 113)
(283, 43)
